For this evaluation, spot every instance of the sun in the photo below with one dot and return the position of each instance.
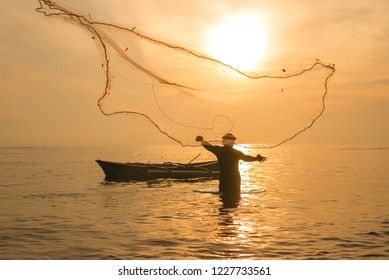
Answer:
(239, 40)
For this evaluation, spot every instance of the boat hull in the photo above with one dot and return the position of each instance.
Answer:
(119, 172)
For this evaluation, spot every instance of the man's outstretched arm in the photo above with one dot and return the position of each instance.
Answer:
(202, 141)
(251, 158)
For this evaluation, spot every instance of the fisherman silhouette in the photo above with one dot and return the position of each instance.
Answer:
(228, 159)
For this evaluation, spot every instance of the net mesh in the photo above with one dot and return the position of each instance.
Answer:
(184, 93)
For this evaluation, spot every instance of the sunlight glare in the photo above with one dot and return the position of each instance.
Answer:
(239, 41)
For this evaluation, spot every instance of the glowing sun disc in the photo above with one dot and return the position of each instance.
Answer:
(239, 41)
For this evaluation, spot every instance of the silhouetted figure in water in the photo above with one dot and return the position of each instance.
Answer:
(228, 159)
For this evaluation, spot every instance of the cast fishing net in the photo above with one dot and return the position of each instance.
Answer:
(183, 92)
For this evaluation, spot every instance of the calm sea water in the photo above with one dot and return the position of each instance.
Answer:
(305, 202)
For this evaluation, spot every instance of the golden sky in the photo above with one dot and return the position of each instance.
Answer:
(51, 75)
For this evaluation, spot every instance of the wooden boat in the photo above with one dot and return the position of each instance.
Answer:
(119, 172)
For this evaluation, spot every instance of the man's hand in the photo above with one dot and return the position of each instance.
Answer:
(199, 139)
(261, 158)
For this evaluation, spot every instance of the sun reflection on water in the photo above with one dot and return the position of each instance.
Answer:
(237, 232)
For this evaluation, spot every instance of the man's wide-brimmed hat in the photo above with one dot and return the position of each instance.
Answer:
(229, 136)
